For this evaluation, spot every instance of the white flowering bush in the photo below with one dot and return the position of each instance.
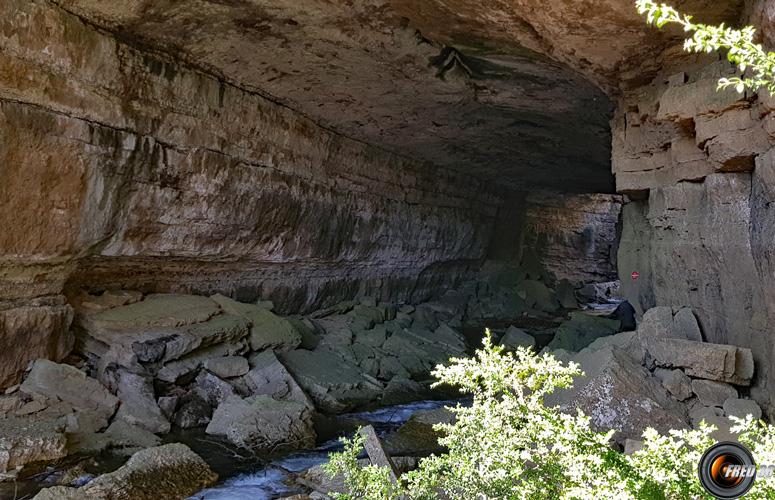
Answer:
(739, 44)
(508, 445)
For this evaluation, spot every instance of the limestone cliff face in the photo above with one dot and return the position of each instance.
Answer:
(121, 168)
(699, 165)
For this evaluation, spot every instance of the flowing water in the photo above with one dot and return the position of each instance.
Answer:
(271, 478)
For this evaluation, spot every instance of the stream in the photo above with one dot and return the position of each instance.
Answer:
(270, 479)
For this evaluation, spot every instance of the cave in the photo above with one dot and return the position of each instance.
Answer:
(197, 193)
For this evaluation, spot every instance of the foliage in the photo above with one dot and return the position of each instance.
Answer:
(509, 445)
(741, 49)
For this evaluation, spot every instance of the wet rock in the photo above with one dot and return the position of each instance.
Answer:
(66, 383)
(25, 440)
(269, 377)
(722, 363)
(333, 384)
(212, 389)
(581, 330)
(417, 437)
(735, 407)
(263, 423)
(193, 411)
(169, 471)
(617, 393)
(138, 404)
(711, 393)
(516, 337)
(401, 390)
(267, 330)
(676, 382)
(227, 367)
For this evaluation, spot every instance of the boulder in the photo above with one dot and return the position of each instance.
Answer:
(416, 436)
(138, 404)
(516, 337)
(676, 382)
(566, 295)
(685, 325)
(625, 313)
(227, 367)
(711, 393)
(269, 377)
(263, 423)
(212, 389)
(581, 330)
(109, 299)
(25, 440)
(159, 310)
(538, 296)
(193, 411)
(334, 384)
(400, 390)
(182, 371)
(632, 445)
(722, 363)
(267, 331)
(617, 393)
(168, 405)
(66, 383)
(735, 407)
(656, 323)
(120, 437)
(170, 471)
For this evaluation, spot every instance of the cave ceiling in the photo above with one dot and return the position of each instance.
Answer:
(513, 91)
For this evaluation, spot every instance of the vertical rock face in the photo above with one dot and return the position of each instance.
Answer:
(699, 233)
(575, 236)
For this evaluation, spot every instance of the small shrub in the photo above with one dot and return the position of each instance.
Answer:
(509, 445)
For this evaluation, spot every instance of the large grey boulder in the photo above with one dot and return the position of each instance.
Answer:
(171, 471)
(269, 377)
(660, 322)
(712, 393)
(159, 310)
(416, 436)
(676, 382)
(267, 330)
(685, 325)
(138, 404)
(25, 440)
(120, 437)
(723, 363)
(263, 423)
(193, 411)
(66, 383)
(617, 393)
(228, 366)
(740, 408)
(182, 371)
(212, 389)
(334, 384)
(516, 337)
(581, 330)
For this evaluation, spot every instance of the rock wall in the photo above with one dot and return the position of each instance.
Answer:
(122, 167)
(698, 165)
(574, 236)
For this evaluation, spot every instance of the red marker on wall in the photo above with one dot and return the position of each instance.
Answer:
(635, 275)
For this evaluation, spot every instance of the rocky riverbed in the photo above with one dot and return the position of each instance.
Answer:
(262, 397)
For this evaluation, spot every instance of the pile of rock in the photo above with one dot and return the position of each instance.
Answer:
(663, 376)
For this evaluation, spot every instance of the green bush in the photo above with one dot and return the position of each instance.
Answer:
(508, 444)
